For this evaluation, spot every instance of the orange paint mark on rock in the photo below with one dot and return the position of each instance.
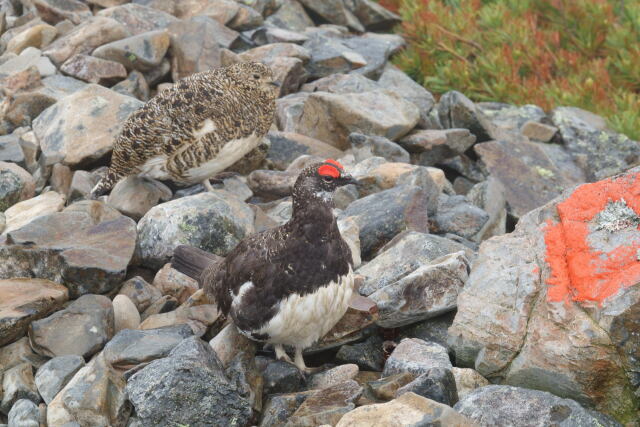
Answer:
(578, 271)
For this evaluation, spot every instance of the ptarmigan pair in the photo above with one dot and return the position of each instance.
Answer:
(287, 286)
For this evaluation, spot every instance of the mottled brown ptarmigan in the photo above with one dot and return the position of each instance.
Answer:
(197, 128)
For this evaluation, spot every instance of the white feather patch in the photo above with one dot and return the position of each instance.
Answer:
(155, 167)
(237, 299)
(206, 127)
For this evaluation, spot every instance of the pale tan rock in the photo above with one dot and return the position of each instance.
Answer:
(171, 282)
(26, 211)
(334, 376)
(538, 131)
(408, 409)
(134, 196)
(38, 36)
(141, 52)
(15, 353)
(229, 342)
(25, 300)
(93, 70)
(125, 314)
(60, 178)
(467, 380)
(25, 186)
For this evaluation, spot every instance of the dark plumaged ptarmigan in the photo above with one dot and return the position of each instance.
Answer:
(197, 128)
(288, 285)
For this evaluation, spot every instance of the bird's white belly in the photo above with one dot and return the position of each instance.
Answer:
(232, 151)
(302, 320)
(155, 167)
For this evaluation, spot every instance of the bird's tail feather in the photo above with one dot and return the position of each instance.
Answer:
(192, 261)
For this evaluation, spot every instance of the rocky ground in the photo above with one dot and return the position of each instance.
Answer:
(498, 246)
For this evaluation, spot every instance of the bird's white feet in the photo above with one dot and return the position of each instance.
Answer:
(281, 354)
(299, 362)
(207, 185)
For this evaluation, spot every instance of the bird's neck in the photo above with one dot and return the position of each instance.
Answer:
(313, 212)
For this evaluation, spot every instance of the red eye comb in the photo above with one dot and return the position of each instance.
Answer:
(335, 163)
(329, 170)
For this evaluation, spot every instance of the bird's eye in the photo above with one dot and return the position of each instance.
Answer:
(327, 179)
(256, 76)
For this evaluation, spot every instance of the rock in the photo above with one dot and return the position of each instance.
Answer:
(467, 380)
(222, 11)
(23, 213)
(290, 16)
(24, 413)
(134, 196)
(560, 329)
(497, 404)
(228, 343)
(404, 254)
(437, 384)
(94, 397)
(408, 409)
(288, 111)
(367, 355)
(10, 150)
(60, 178)
(16, 185)
(431, 147)
(457, 111)
(385, 388)
(285, 147)
(511, 117)
(25, 300)
(188, 386)
(383, 215)
(335, 12)
(563, 161)
(134, 85)
(82, 328)
(199, 317)
(372, 15)
(54, 11)
(334, 376)
(84, 38)
(164, 304)
(376, 50)
(17, 383)
(141, 293)
(93, 70)
(279, 408)
(55, 374)
(138, 19)
(529, 177)
(282, 377)
(600, 153)
(61, 128)
(29, 57)
(194, 46)
(130, 348)
(327, 406)
(538, 131)
(366, 146)
(329, 55)
(38, 36)
(332, 117)
(428, 291)
(397, 81)
(245, 19)
(87, 251)
(416, 356)
(341, 84)
(433, 330)
(489, 196)
(271, 184)
(141, 52)
(81, 184)
(172, 282)
(279, 35)
(125, 314)
(458, 216)
(15, 353)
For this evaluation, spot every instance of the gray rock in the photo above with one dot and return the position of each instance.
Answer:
(141, 293)
(24, 413)
(134, 196)
(366, 146)
(17, 383)
(511, 117)
(372, 15)
(501, 404)
(279, 408)
(466, 167)
(282, 377)
(383, 215)
(342, 83)
(134, 85)
(285, 147)
(140, 52)
(30, 57)
(334, 12)
(87, 254)
(368, 355)
(437, 384)
(81, 184)
(93, 70)
(164, 304)
(16, 353)
(333, 376)
(396, 80)
(330, 55)
(55, 374)
(209, 221)
(188, 387)
(416, 356)
(427, 292)
(138, 19)
(457, 111)
(194, 46)
(404, 254)
(53, 11)
(327, 406)
(600, 153)
(376, 50)
(431, 147)
(131, 347)
(433, 330)
(83, 328)
(10, 150)
(458, 216)
(489, 196)
(290, 16)
(271, 184)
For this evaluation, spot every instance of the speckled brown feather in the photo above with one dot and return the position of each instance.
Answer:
(237, 104)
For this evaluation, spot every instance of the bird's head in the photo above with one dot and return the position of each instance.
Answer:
(255, 75)
(318, 181)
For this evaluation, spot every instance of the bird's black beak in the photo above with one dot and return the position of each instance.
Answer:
(276, 84)
(347, 179)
